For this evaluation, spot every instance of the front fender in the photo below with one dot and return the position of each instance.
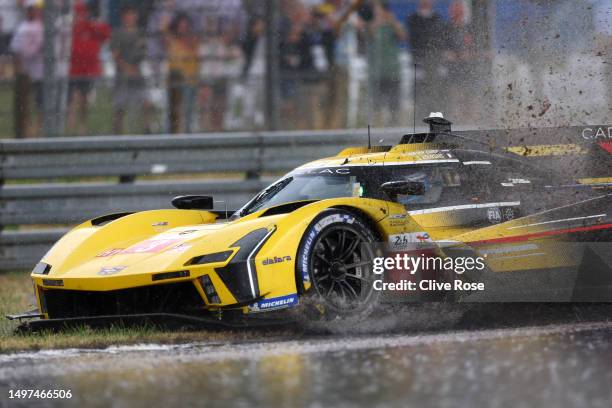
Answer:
(275, 262)
(91, 237)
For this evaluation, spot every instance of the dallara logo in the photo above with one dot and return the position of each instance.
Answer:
(275, 260)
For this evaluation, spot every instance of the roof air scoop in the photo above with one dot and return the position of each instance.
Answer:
(437, 126)
(437, 123)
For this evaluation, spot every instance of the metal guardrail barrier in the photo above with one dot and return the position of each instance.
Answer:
(66, 204)
(41, 181)
(154, 155)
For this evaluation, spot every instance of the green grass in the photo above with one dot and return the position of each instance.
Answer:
(99, 122)
(6, 110)
(16, 295)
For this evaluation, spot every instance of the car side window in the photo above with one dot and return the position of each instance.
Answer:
(442, 184)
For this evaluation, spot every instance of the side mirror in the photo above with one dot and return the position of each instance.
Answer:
(193, 202)
(394, 188)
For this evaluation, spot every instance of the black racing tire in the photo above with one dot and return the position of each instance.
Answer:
(335, 256)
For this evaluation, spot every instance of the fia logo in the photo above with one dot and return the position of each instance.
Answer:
(494, 215)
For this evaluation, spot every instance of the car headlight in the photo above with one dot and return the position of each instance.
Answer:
(41, 268)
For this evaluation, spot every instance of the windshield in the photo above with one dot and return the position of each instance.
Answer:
(315, 184)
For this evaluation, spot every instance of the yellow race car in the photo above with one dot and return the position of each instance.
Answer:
(313, 235)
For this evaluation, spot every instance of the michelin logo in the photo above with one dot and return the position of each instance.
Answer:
(274, 303)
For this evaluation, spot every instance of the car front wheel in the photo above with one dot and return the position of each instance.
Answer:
(335, 257)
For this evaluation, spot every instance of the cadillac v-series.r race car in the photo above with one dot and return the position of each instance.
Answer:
(311, 237)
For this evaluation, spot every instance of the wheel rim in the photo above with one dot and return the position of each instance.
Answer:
(342, 267)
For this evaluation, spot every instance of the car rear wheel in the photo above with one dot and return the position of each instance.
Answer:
(335, 257)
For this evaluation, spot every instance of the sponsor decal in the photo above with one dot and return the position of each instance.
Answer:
(110, 270)
(508, 213)
(160, 224)
(173, 234)
(180, 248)
(274, 303)
(423, 237)
(150, 246)
(597, 133)
(275, 260)
(407, 241)
(324, 171)
(110, 252)
(494, 215)
(397, 220)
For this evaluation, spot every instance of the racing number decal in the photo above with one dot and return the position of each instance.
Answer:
(150, 246)
(408, 241)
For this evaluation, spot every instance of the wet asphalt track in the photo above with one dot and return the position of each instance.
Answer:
(562, 360)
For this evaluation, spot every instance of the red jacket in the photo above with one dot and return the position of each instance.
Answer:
(87, 39)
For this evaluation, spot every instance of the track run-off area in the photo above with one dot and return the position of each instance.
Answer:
(562, 364)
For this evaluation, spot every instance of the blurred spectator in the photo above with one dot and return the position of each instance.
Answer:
(87, 39)
(339, 40)
(296, 63)
(6, 66)
(461, 60)
(162, 13)
(27, 48)
(385, 68)
(183, 76)
(246, 98)
(220, 61)
(156, 95)
(253, 35)
(115, 10)
(128, 46)
(425, 33)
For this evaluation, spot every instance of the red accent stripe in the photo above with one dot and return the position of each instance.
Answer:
(520, 238)
(606, 146)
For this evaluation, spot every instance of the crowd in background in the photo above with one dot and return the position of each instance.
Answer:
(186, 65)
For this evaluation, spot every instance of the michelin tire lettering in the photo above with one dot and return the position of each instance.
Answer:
(314, 231)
